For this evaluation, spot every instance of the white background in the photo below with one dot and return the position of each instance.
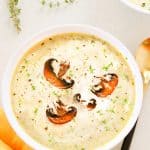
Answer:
(127, 25)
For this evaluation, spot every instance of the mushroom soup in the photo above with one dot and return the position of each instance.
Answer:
(73, 91)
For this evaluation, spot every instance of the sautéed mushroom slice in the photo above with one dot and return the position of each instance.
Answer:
(90, 105)
(106, 85)
(55, 79)
(63, 115)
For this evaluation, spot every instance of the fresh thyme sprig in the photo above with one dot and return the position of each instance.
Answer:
(14, 13)
(56, 3)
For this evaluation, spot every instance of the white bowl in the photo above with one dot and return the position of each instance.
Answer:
(135, 7)
(6, 98)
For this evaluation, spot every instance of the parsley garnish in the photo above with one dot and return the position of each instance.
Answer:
(91, 70)
(106, 68)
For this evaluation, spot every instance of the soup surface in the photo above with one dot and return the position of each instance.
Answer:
(145, 4)
(73, 91)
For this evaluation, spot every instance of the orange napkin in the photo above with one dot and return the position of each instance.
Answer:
(8, 138)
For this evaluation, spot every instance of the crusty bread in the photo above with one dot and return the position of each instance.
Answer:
(143, 55)
(8, 136)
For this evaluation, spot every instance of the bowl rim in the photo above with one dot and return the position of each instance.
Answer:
(135, 7)
(67, 28)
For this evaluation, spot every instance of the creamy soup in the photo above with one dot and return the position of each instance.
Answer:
(73, 92)
(145, 4)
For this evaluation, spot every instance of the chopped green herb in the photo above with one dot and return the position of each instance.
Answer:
(70, 73)
(43, 2)
(55, 94)
(132, 83)
(107, 128)
(91, 70)
(50, 5)
(114, 100)
(104, 50)
(106, 68)
(28, 75)
(115, 130)
(20, 101)
(66, 1)
(111, 111)
(126, 76)
(122, 118)
(99, 112)
(104, 121)
(23, 67)
(26, 61)
(33, 87)
(119, 87)
(143, 4)
(77, 48)
(35, 110)
(125, 101)
(66, 92)
(49, 140)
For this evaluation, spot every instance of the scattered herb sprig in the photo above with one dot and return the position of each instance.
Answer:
(15, 11)
(56, 3)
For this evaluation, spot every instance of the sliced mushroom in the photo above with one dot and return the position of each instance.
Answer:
(106, 85)
(51, 76)
(64, 66)
(62, 114)
(77, 98)
(90, 105)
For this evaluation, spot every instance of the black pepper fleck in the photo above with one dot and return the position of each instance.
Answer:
(14, 94)
(46, 128)
(42, 43)
(39, 101)
(29, 80)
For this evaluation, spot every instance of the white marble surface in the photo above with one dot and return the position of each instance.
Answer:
(111, 15)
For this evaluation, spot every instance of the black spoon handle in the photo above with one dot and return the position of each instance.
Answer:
(128, 140)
